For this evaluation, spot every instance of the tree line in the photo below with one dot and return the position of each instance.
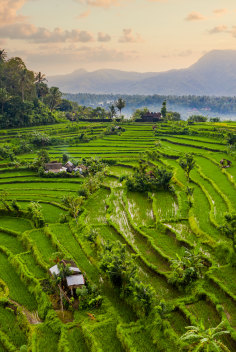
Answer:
(223, 105)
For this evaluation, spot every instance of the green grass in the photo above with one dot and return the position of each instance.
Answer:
(145, 212)
(66, 238)
(140, 209)
(17, 290)
(10, 326)
(96, 207)
(15, 224)
(51, 213)
(43, 244)
(46, 339)
(226, 275)
(28, 259)
(11, 243)
(165, 205)
(206, 312)
(76, 340)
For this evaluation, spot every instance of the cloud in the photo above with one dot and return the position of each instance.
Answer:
(8, 11)
(175, 53)
(233, 31)
(218, 29)
(195, 16)
(84, 14)
(103, 37)
(220, 11)
(130, 37)
(101, 3)
(58, 59)
(42, 35)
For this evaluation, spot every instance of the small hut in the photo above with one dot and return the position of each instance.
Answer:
(54, 167)
(75, 279)
(224, 163)
(69, 166)
(82, 169)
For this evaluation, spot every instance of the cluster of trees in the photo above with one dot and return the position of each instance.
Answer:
(166, 115)
(25, 98)
(229, 229)
(145, 181)
(75, 112)
(122, 271)
(187, 268)
(35, 213)
(223, 105)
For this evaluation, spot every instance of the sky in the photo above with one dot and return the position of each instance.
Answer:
(60, 36)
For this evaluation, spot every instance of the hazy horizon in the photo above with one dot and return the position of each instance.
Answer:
(59, 37)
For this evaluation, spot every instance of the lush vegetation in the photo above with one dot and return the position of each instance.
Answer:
(150, 223)
(224, 105)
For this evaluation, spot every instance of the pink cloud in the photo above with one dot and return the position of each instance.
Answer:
(35, 34)
(8, 11)
(218, 29)
(129, 37)
(220, 11)
(101, 3)
(103, 37)
(195, 16)
(84, 14)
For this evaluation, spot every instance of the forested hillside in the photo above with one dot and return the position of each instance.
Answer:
(207, 105)
(25, 98)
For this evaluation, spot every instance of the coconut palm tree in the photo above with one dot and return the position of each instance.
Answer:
(120, 104)
(54, 97)
(187, 163)
(24, 82)
(40, 78)
(3, 55)
(201, 339)
(41, 86)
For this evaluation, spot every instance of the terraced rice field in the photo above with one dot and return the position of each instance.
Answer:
(154, 226)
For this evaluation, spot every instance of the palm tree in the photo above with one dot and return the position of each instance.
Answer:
(112, 110)
(4, 97)
(188, 268)
(201, 339)
(40, 78)
(187, 163)
(41, 87)
(24, 82)
(54, 97)
(120, 104)
(3, 55)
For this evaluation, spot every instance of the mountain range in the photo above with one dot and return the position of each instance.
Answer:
(213, 74)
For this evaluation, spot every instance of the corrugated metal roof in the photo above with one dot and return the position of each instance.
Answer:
(74, 269)
(75, 280)
(54, 270)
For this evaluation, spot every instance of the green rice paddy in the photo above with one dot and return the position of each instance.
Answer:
(155, 227)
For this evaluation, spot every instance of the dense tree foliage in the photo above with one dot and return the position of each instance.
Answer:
(187, 163)
(223, 105)
(200, 338)
(123, 273)
(152, 180)
(186, 269)
(25, 99)
(197, 118)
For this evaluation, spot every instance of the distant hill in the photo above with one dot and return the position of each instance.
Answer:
(213, 74)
